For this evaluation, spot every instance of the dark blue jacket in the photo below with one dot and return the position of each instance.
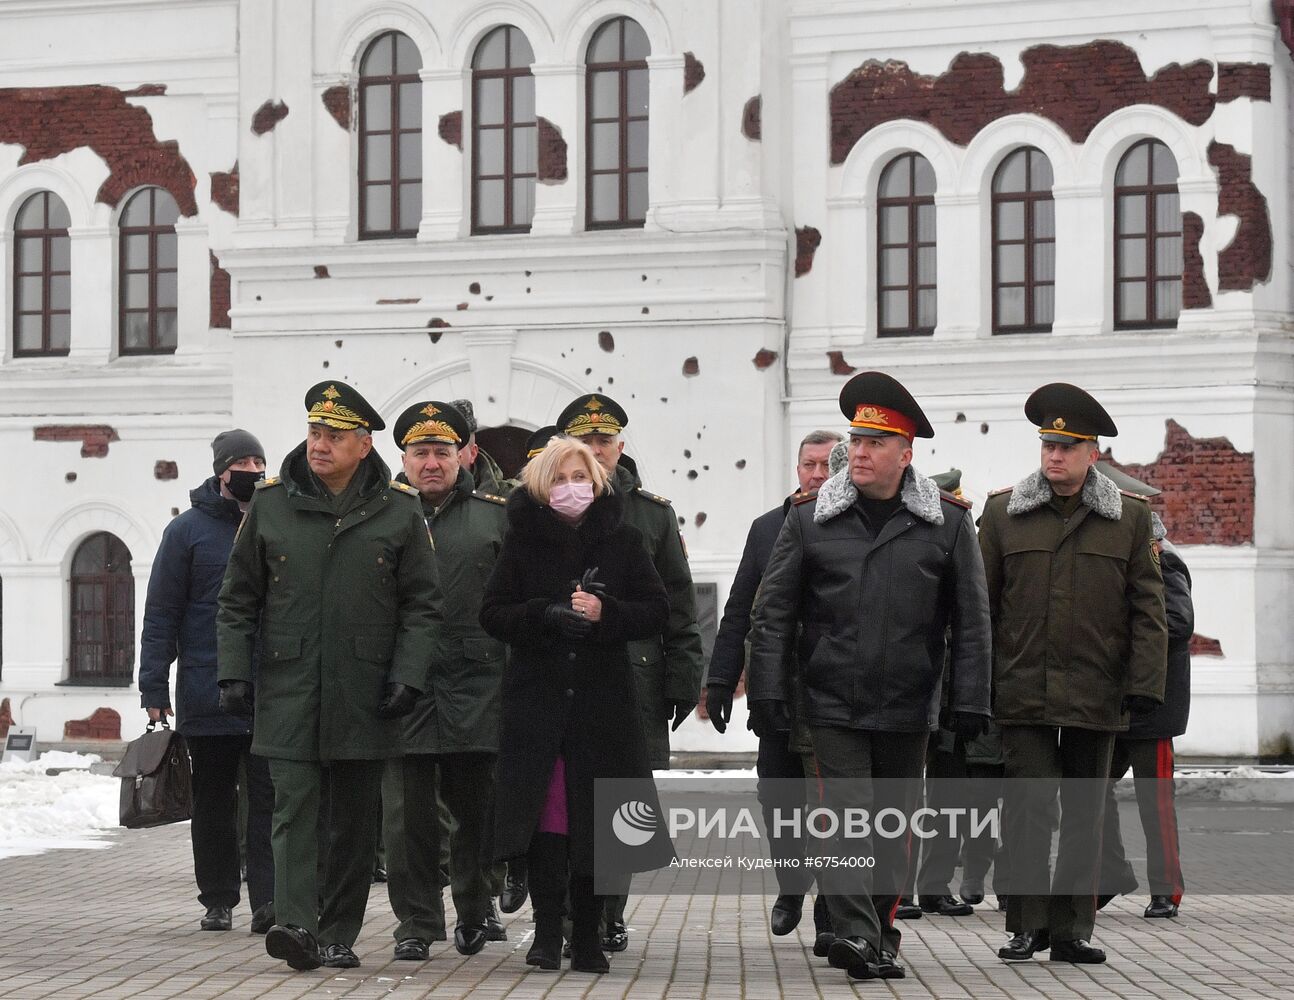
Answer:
(180, 615)
(1169, 719)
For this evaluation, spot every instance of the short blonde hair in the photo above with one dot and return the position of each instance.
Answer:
(540, 471)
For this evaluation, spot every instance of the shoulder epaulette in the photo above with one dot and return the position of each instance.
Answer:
(1004, 489)
(952, 498)
(652, 497)
(489, 496)
(267, 483)
(1135, 496)
(403, 487)
(805, 497)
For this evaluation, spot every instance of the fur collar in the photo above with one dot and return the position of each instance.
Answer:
(1099, 493)
(1157, 526)
(919, 495)
(535, 520)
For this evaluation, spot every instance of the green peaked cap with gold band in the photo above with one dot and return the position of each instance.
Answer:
(538, 441)
(593, 413)
(430, 422)
(340, 406)
(1064, 413)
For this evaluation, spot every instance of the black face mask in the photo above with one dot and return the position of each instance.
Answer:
(242, 483)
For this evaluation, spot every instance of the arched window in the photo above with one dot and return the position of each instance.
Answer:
(103, 613)
(148, 273)
(390, 138)
(505, 154)
(616, 103)
(42, 268)
(1024, 244)
(1147, 238)
(905, 247)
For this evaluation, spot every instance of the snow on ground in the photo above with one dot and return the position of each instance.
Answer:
(41, 812)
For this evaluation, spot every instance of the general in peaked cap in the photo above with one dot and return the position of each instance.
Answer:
(1064, 413)
(431, 422)
(592, 414)
(340, 406)
(538, 441)
(877, 404)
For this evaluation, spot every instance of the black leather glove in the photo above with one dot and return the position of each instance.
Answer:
(769, 718)
(680, 710)
(566, 620)
(968, 725)
(1139, 704)
(718, 705)
(236, 698)
(399, 700)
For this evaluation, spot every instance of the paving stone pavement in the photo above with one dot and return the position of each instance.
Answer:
(123, 923)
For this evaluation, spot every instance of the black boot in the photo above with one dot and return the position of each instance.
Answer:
(822, 929)
(586, 944)
(514, 886)
(546, 865)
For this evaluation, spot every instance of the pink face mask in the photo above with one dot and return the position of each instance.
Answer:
(571, 500)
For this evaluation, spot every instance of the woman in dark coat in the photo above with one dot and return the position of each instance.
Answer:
(571, 586)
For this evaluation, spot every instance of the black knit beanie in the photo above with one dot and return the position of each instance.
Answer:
(230, 446)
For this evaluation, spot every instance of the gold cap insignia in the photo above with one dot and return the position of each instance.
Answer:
(331, 393)
(872, 414)
(1058, 423)
(430, 410)
(593, 405)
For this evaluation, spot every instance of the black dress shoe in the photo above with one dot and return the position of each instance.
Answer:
(1024, 946)
(822, 943)
(494, 929)
(411, 950)
(855, 956)
(1079, 952)
(470, 938)
(889, 966)
(907, 910)
(218, 918)
(972, 891)
(786, 914)
(338, 956)
(945, 906)
(262, 919)
(513, 896)
(616, 937)
(293, 945)
(1161, 906)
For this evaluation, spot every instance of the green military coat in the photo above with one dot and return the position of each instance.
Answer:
(1077, 605)
(667, 668)
(459, 713)
(343, 605)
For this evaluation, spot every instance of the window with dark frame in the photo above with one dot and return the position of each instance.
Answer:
(905, 248)
(1024, 244)
(505, 151)
(616, 103)
(1147, 238)
(390, 139)
(102, 648)
(148, 268)
(42, 267)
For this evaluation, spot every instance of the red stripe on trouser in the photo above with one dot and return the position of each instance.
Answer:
(1168, 817)
(907, 869)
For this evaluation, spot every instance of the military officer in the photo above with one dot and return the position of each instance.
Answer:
(333, 573)
(668, 669)
(1079, 640)
(452, 735)
(484, 469)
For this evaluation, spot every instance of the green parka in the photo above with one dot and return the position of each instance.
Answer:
(1077, 605)
(345, 600)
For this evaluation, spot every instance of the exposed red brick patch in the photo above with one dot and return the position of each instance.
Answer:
(451, 128)
(750, 118)
(691, 367)
(1237, 80)
(806, 245)
(1074, 86)
(1203, 645)
(764, 358)
(103, 724)
(839, 366)
(1195, 290)
(146, 90)
(398, 302)
(1247, 260)
(6, 717)
(1284, 11)
(220, 295)
(1208, 486)
(474, 288)
(224, 190)
(337, 101)
(436, 323)
(50, 121)
(94, 438)
(267, 116)
(164, 470)
(700, 518)
(606, 341)
(693, 72)
(321, 271)
(552, 153)
(460, 307)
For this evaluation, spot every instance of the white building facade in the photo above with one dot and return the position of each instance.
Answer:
(711, 210)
